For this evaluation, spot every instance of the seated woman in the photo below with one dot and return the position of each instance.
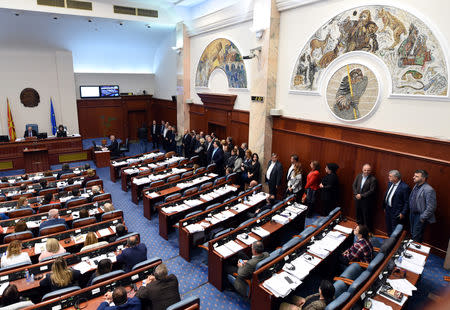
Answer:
(361, 250)
(47, 199)
(12, 300)
(91, 242)
(14, 255)
(52, 247)
(318, 301)
(90, 176)
(108, 207)
(84, 213)
(61, 132)
(60, 277)
(104, 266)
(22, 203)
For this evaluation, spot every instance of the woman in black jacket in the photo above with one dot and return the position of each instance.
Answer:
(329, 188)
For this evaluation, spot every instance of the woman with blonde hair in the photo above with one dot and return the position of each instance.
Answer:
(294, 185)
(14, 255)
(60, 277)
(22, 203)
(108, 207)
(91, 242)
(52, 247)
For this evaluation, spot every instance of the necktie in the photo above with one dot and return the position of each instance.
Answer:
(391, 189)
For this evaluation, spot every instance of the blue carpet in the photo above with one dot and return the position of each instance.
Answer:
(193, 276)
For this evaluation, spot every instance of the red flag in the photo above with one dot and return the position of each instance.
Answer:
(11, 128)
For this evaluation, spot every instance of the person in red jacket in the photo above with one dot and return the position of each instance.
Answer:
(311, 187)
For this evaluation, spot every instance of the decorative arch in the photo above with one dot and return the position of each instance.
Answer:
(224, 55)
(406, 45)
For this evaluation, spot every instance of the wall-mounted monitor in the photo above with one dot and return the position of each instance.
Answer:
(89, 91)
(109, 91)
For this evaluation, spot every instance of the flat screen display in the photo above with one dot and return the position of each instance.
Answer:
(109, 91)
(89, 91)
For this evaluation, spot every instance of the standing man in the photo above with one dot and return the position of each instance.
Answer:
(209, 148)
(294, 160)
(187, 143)
(273, 174)
(396, 201)
(422, 203)
(364, 188)
(161, 133)
(143, 138)
(217, 157)
(155, 134)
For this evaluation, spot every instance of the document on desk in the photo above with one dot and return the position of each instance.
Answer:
(113, 228)
(79, 239)
(330, 243)
(213, 175)
(248, 240)
(318, 250)
(193, 202)
(280, 219)
(416, 258)
(39, 247)
(240, 207)
(193, 228)
(260, 232)
(153, 195)
(409, 266)
(300, 270)
(104, 232)
(33, 224)
(82, 267)
(3, 287)
(345, 230)
(422, 248)
(281, 284)
(233, 246)
(378, 305)
(206, 197)
(255, 199)
(400, 303)
(224, 251)
(402, 285)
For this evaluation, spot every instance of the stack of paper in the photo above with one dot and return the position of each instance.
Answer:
(345, 230)
(153, 195)
(233, 246)
(206, 197)
(193, 202)
(318, 250)
(193, 228)
(79, 239)
(281, 284)
(416, 258)
(240, 207)
(39, 247)
(280, 219)
(224, 251)
(82, 267)
(260, 232)
(177, 208)
(3, 287)
(402, 285)
(423, 248)
(378, 305)
(248, 240)
(405, 264)
(33, 224)
(104, 232)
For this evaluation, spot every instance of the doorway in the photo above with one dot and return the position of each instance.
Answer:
(135, 121)
(219, 130)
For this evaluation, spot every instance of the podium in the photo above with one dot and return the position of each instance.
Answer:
(102, 158)
(36, 160)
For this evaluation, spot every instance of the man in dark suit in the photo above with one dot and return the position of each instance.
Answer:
(217, 157)
(273, 174)
(133, 254)
(246, 267)
(118, 299)
(155, 133)
(209, 148)
(53, 219)
(170, 139)
(30, 132)
(242, 150)
(143, 138)
(187, 143)
(396, 201)
(114, 146)
(422, 203)
(364, 188)
(65, 168)
(161, 128)
(161, 290)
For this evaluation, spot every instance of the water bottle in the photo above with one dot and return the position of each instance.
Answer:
(27, 275)
(32, 278)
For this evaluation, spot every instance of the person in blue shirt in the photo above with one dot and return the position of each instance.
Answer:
(133, 254)
(120, 299)
(53, 219)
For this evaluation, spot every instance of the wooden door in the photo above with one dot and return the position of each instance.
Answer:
(135, 121)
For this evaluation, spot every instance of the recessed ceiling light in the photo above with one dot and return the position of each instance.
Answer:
(148, 26)
(17, 14)
(55, 18)
(90, 20)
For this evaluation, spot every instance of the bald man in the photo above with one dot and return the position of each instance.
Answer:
(364, 189)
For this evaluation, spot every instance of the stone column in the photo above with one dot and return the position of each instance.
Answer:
(183, 77)
(263, 81)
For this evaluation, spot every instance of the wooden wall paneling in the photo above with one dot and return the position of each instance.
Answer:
(324, 142)
(163, 110)
(197, 117)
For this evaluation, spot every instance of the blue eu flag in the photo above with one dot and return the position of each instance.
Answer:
(52, 117)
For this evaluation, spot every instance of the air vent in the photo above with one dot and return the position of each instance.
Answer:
(147, 13)
(57, 3)
(124, 10)
(80, 5)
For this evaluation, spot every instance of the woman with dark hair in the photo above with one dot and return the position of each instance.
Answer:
(61, 132)
(252, 171)
(312, 185)
(104, 266)
(20, 226)
(361, 250)
(47, 199)
(318, 301)
(329, 188)
(11, 299)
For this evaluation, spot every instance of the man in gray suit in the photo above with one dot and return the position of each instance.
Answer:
(364, 188)
(422, 203)
(245, 268)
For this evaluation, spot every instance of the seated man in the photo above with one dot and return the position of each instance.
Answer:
(161, 290)
(121, 230)
(53, 219)
(30, 132)
(133, 254)
(114, 146)
(120, 299)
(245, 267)
(318, 301)
(65, 168)
(361, 250)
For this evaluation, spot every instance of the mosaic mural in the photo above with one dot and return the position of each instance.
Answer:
(403, 42)
(221, 54)
(352, 92)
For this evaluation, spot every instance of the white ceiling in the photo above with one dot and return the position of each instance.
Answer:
(102, 45)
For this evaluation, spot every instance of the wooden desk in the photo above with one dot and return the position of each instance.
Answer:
(114, 169)
(11, 153)
(102, 158)
(36, 159)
